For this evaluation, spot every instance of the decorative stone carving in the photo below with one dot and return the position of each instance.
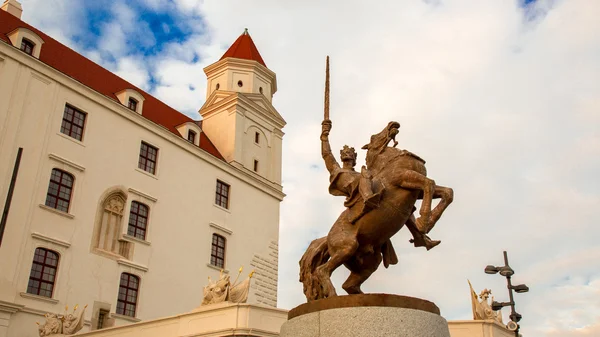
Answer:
(115, 204)
(108, 228)
(482, 309)
(224, 291)
(62, 325)
(380, 200)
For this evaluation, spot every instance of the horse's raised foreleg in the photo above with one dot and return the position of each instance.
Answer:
(413, 180)
(446, 194)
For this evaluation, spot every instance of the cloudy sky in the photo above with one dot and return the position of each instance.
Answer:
(501, 97)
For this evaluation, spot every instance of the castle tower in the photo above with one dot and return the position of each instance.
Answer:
(238, 115)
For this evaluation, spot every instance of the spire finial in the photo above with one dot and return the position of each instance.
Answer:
(245, 31)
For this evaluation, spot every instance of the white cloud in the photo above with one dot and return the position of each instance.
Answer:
(134, 70)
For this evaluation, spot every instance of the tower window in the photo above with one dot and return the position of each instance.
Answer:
(132, 104)
(43, 272)
(260, 90)
(27, 46)
(191, 136)
(59, 190)
(148, 156)
(255, 165)
(138, 220)
(217, 253)
(128, 293)
(222, 194)
(72, 123)
(217, 86)
(257, 138)
(240, 83)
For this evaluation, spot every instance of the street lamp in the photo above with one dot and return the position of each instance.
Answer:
(507, 272)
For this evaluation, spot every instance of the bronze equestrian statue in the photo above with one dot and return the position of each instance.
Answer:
(380, 200)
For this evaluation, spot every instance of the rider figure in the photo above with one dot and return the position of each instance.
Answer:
(355, 186)
(345, 181)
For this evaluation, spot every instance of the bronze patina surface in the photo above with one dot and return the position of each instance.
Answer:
(380, 200)
(364, 300)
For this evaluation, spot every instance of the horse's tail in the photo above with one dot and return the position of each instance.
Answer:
(316, 254)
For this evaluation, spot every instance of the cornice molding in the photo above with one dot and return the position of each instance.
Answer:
(142, 194)
(221, 228)
(10, 308)
(66, 162)
(45, 238)
(133, 265)
(233, 63)
(236, 99)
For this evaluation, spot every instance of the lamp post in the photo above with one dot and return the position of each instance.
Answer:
(507, 272)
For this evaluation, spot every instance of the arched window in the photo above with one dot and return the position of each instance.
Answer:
(217, 253)
(27, 46)
(43, 272)
(138, 220)
(59, 190)
(128, 293)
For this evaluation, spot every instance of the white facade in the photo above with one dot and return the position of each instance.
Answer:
(173, 261)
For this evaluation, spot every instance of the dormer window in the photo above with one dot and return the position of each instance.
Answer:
(27, 46)
(191, 137)
(132, 104)
(131, 99)
(27, 41)
(190, 131)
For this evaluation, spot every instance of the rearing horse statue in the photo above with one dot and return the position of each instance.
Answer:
(380, 201)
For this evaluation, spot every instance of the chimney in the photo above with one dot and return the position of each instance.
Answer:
(13, 7)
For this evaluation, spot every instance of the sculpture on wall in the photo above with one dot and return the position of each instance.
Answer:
(482, 309)
(62, 325)
(224, 291)
(380, 200)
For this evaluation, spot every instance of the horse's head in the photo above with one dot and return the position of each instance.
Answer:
(380, 141)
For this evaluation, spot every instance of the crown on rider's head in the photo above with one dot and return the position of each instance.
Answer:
(347, 153)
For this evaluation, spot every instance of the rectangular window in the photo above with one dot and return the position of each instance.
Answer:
(256, 138)
(27, 46)
(132, 104)
(73, 122)
(222, 195)
(102, 316)
(148, 157)
(59, 190)
(217, 253)
(138, 220)
(128, 294)
(43, 272)
(255, 165)
(191, 136)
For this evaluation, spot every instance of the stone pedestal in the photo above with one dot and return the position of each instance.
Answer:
(379, 315)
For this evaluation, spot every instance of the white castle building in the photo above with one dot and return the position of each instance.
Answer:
(113, 199)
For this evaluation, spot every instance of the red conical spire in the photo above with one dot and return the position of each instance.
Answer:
(244, 48)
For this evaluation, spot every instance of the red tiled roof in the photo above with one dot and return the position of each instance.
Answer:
(76, 66)
(244, 48)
